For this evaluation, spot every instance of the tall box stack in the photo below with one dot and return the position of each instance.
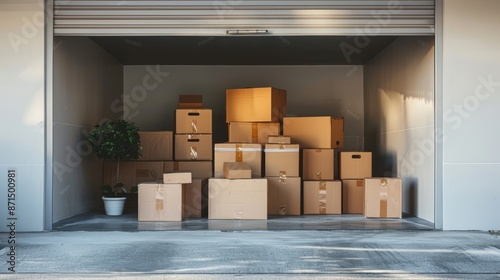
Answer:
(354, 168)
(282, 173)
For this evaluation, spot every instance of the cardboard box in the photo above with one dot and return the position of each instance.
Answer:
(317, 164)
(132, 172)
(160, 202)
(190, 101)
(237, 199)
(195, 199)
(252, 132)
(237, 170)
(355, 165)
(279, 139)
(264, 104)
(383, 198)
(193, 146)
(283, 196)
(156, 145)
(199, 169)
(193, 121)
(177, 178)
(233, 152)
(353, 196)
(282, 160)
(315, 132)
(322, 197)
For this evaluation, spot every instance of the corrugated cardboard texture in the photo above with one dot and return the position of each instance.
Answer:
(199, 169)
(237, 170)
(132, 172)
(237, 199)
(282, 160)
(177, 178)
(322, 197)
(160, 202)
(195, 199)
(156, 145)
(193, 121)
(190, 101)
(353, 196)
(355, 165)
(318, 164)
(283, 196)
(315, 132)
(232, 152)
(193, 147)
(252, 132)
(279, 139)
(255, 105)
(383, 198)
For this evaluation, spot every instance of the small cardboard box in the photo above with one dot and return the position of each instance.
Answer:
(190, 101)
(193, 121)
(237, 199)
(195, 199)
(282, 160)
(322, 197)
(237, 170)
(193, 146)
(353, 196)
(264, 104)
(315, 132)
(317, 164)
(279, 139)
(283, 196)
(132, 172)
(234, 152)
(160, 202)
(383, 197)
(199, 169)
(177, 178)
(251, 132)
(156, 145)
(355, 165)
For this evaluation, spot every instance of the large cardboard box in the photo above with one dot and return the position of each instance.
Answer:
(383, 198)
(193, 121)
(160, 202)
(238, 152)
(132, 172)
(177, 178)
(317, 164)
(315, 132)
(195, 199)
(190, 101)
(282, 160)
(322, 197)
(237, 199)
(193, 146)
(252, 132)
(283, 196)
(156, 145)
(264, 104)
(279, 139)
(355, 165)
(353, 196)
(199, 169)
(237, 170)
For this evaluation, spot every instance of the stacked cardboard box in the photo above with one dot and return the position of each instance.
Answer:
(354, 168)
(383, 198)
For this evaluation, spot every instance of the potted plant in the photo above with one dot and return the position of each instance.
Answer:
(116, 140)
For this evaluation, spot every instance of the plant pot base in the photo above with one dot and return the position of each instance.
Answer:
(114, 205)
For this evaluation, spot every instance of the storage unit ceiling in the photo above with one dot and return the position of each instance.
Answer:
(217, 18)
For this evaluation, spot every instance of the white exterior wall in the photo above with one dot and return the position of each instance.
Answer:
(471, 102)
(22, 111)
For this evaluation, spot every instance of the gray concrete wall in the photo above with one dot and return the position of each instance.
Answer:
(399, 119)
(87, 81)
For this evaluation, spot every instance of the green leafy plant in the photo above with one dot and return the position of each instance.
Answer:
(115, 140)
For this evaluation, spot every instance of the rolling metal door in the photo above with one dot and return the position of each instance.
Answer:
(219, 18)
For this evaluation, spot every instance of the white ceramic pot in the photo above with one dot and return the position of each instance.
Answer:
(114, 205)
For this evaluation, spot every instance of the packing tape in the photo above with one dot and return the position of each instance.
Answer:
(159, 201)
(194, 126)
(322, 197)
(193, 151)
(317, 174)
(282, 177)
(239, 153)
(176, 166)
(383, 198)
(255, 133)
(282, 210)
